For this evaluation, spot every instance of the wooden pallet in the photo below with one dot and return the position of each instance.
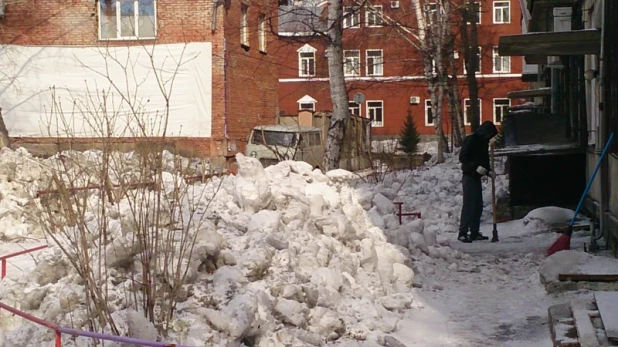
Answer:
(586, 332)
(607, 303)
(588, 277)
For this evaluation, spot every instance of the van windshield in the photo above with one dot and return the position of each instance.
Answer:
(274, 138)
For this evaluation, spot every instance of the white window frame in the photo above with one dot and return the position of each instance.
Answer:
(465, 111)
(504, 111)
(356, 60)
(244, 25)
(479, 13)
(311, 106)
(352, 106)
(306, 49)
(119, 25)
(370, 64)
(262, 35)
(480, 66)
(351, 17)
(427, 110)
(375, 17)
(499, 10)
(500, 64)
(431, 11)
(374, 123)
(306, 100)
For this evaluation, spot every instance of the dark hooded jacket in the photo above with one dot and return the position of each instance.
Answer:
(475, 149)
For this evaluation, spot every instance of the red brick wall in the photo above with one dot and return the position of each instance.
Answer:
(400, 59)
(252, 75)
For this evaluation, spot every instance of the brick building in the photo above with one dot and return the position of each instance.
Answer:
(386, 68)
(203, 65)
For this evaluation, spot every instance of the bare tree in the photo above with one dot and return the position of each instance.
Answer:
(338, 91)
(469, 39)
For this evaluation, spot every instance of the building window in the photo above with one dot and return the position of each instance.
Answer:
(262, 32)
(306, 61)
(428, 113)
(354, 108)
(477, 10)
(132, 19)
(351, 17)
(351, 61)
(431, 12)
(478, 65)
(374, 16)
(375, 112)
(375, 62)
(501, 64)
(244, 25)
(306, 103)
(310, 106)
(501, 108)
(467, 111)
(502, 12)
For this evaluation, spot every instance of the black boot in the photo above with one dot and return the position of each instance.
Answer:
(478, 237)
(464, 238)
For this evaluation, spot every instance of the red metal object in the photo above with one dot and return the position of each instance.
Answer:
(400, 213)
(58, 339)
(25, 251)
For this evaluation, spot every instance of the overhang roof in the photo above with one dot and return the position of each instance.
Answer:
(529, 93)
(574, 42)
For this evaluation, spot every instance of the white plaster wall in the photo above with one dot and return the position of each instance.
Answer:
(90, 91)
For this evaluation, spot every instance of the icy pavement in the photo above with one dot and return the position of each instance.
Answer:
(492, 298)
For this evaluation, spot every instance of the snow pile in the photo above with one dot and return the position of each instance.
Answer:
(435, 192)
(547, 217)
(570, 262)
(286, 256)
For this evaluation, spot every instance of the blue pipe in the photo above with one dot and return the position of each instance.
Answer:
(594, 173)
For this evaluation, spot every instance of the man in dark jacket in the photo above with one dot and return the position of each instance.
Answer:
(474, 158)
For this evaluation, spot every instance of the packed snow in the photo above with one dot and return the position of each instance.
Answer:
(288, 255)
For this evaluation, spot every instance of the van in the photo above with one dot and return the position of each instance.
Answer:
(271, 144)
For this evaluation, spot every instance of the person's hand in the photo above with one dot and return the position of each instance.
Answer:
(481, 171)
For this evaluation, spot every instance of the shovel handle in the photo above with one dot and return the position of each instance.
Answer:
(494, 232)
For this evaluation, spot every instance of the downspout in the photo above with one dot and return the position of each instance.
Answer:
(215, 4)
(603, 131)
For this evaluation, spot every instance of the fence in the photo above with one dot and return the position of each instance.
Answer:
(59, 330)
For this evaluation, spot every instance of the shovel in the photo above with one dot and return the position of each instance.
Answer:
(563, 243)
(494, 232)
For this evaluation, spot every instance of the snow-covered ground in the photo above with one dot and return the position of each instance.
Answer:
(301, 258)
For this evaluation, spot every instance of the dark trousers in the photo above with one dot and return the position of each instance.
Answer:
(472, 205)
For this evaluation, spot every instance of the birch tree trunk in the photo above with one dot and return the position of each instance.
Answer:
(469, 36)
(454, 101)
(338, 91)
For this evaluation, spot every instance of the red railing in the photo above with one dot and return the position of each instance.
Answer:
(401, 214)
(25, 251)
(58, 330)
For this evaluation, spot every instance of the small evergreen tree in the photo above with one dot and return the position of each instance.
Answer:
(409, 137)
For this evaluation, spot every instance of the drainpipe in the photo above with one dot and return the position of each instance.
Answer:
(603, 131)
(215, 4)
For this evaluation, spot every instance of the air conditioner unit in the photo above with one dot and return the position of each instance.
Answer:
(394, 4)
(415, 100)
